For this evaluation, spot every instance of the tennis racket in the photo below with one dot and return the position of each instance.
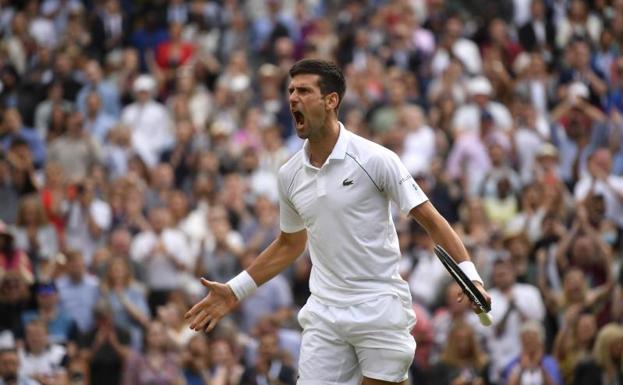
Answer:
(468, 287)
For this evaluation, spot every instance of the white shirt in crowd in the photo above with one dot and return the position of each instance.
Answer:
(162, 273)
(528, 303)
(78, 236)
(151, 129)
(47, 363)
(467, 117)
(345, 206)
(611, 191)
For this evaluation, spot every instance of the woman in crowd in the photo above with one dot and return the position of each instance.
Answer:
(462, 360)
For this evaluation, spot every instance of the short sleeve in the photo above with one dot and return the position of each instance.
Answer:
(399, 184)
(289, 219)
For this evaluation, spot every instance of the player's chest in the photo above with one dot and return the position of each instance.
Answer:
(333, 191)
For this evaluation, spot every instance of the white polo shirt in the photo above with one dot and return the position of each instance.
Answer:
(345, 207)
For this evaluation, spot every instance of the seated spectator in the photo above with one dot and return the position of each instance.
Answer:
(512, 304)
(106, 348)
(88, 221)
(462, 361)
(10, 369)
(164, 251)
(40, 359)
(452, 312)
(271, 365)
(12, 258)
(532, 366)
(33, 233)
(157, 363)
(78, 291)
(61, 328)
(604, 365)
(195, 359)
(126, 299)
(148, 120)
(12, 129)
(574, 342)
(14, 300)
(75, 150)
(224, 367)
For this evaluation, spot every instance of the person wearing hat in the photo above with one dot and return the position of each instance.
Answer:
(468, 117)
(12, 259)
(148, 120)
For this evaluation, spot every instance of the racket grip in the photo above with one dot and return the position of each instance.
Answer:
(485, 319)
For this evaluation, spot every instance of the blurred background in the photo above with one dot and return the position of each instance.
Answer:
(140, 143)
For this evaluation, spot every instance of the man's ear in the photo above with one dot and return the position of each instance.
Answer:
(332, 100)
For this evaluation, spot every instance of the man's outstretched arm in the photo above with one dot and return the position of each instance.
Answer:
(221, 298)
(443, 234)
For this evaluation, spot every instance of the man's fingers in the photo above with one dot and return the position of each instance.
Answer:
(211, 325)
(195, 309)
(206, 283)
(200, 320)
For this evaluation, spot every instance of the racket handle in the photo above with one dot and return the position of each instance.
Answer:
(485, 319)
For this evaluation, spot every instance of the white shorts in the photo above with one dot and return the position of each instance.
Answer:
(342, 344)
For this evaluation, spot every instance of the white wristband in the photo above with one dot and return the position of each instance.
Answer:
(242, 285)
(470, 270)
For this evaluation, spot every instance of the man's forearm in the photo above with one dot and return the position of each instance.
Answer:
(440, 231)
(277, 257)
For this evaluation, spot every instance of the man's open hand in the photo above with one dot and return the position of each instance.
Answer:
(207, 312)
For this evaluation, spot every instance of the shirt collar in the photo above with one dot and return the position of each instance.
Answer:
(339, 150)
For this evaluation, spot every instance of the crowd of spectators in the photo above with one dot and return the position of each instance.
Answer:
(140, 143)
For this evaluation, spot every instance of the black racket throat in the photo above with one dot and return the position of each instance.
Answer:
(461, 278)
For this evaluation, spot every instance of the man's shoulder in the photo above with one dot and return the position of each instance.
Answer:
(363, 150)
(292, 165)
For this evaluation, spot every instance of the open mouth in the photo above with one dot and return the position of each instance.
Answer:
(299, 118)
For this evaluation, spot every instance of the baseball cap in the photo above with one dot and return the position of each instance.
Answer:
(144, 83)
(46, 288)
(479, 85)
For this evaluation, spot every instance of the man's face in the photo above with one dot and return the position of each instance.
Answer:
(307, 105)
(9, 364)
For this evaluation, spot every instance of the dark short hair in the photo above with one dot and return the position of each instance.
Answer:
(331, 76)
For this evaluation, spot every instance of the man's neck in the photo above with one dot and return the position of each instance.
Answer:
(320, 147)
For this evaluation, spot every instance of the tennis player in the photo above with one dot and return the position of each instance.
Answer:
(335, 194)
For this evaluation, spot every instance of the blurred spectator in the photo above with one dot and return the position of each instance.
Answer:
(450, 315)
(78, 291)
(33, 233)
(12, 129)
(533, 366)
(539, 31)
(107, 91)
(61, 327)
(221, 250)
(462, 362)
(75, 150)
(88, 221)
(603, 367)
(105, 348)
(196, 361)
(574, 342)
(164, 252)
(512, 304)
(40, 359)
(126, 299)
(10, 369)
(14, 299)
(109, 28)
(13, 259)
(97, 122)
(156, 363)
(271, 366)
(148, 121)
